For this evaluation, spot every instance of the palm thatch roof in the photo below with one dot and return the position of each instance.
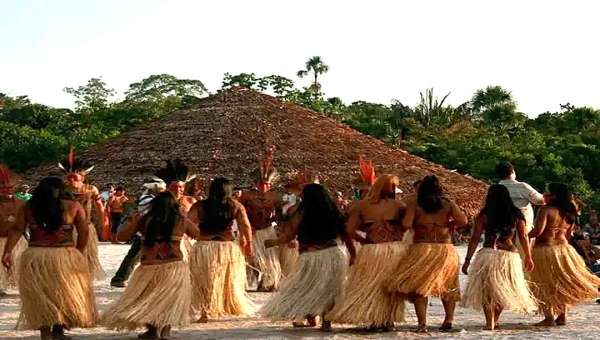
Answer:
(226, 133)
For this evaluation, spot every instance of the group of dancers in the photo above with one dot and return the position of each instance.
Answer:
(357, 267)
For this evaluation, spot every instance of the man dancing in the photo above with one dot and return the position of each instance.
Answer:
(264, 209)
(9, 208)
(89, 197)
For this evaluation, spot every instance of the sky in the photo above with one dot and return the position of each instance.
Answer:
(545, 52)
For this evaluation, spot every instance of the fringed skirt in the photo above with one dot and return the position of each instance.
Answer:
(288, 258)
(431, 271)
(186, 248)
(266, 260)
(365, 300)
(496, 279)
(560, 278)
(312, 289)
(159, 295)
(219, 279)
(91, 254)
(409, 236)
(55, 289)
(10, 277)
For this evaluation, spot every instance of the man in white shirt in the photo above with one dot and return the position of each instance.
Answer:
(523, 195)
(289, 200)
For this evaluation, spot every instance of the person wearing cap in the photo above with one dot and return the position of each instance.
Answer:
(24, 194)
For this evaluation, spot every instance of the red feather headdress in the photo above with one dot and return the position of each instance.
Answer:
(266, 173)
(8, 179)
(366, 174)
(72, 165)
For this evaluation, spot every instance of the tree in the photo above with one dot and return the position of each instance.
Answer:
(91, 97)
(160, 86)
(317, 67)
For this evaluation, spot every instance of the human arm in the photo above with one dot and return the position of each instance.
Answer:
(192, 215)
(533, 195)
(14, 234)
(191, 228)
(290, 233)
(98, 206)
(353, 223)
(540, 223)
(129, 228)
(244, 228)
(524, 240)
(409, 216)
(81, 225)
(459, 219)
(480, 223)
(350, 246)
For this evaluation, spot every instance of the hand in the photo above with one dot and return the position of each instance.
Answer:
(465, 267)
(270, 243)
(529, 264)
(247, 248)
(292, 244)
(6, 261)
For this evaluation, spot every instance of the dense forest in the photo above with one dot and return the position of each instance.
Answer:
(471, 138)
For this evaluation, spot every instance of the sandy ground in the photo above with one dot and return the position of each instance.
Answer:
(583, 320)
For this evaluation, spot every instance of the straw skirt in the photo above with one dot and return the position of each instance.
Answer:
(496, 279)
(159, 295)
(219, 279)
(365, 299)
(431, 271)
(266, 260)
(186, 248)
(560, 278)
(91, 254)
(10, 277)
(312, 289)
(288, 258)
(55, 289)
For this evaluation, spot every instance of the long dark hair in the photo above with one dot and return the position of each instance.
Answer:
(429, 195)
(161, 218)
(500, 211)
(563, 201)
(46, 204)
(321, 220)
(217, 208)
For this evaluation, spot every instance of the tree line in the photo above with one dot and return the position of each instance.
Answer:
(470, 138)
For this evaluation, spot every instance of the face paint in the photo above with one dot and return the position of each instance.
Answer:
(177, 188)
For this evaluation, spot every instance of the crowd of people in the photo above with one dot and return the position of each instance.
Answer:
(326, 259)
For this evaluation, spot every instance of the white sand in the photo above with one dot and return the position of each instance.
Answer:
(583, 320)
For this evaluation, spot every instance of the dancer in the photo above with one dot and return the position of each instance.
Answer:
(217, 262)
(9, 207)
(366, 300)
(89, 197)
(54, 285)
(319, 274)
(177, 175)
(560, 277)
(160, 291)
(264, 209)
(434, 263)
(496, 279)
(149, 191)
(114, 207)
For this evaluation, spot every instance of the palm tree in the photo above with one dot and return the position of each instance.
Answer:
(317, 67)
(492, 96)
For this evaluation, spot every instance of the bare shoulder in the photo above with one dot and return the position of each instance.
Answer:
(190, 199)
(92, 189)
(238, 206)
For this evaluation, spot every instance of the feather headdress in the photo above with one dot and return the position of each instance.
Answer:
(175, 171)
(265, 172)
(366, 175)
(296, 183)
(72, 165)
(8, 179)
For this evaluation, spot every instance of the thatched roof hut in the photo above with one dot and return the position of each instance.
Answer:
(225, 134)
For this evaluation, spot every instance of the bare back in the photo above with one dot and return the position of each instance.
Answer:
(380, 221)
(434, 227)
(551, 227)
(8, 214)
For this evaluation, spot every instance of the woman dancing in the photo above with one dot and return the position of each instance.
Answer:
(217, 261)
(496, 279)
(319, 274)
(561, 278)
(54, 283)
(433, 266)
(159, 293)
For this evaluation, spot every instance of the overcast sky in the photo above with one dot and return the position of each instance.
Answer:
(545, 52)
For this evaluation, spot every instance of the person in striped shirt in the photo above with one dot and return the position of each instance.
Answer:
(523, 196)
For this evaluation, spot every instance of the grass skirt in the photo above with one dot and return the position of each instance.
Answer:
(159, 295)
(365, 299)
(409, 236)
(186, 248)
(10, 277)
(312, 289)
(91, 254)
(431, 271)
(560, 278)
(288, 258)
(266, 260)
(496, 279)
(219, 279)
(55, 288)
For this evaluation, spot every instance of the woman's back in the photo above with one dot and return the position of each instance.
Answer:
(556, 228)
(73, 219)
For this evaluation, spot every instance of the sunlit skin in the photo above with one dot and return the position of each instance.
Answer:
(86, 193)
(9, 207)
(186, 202)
